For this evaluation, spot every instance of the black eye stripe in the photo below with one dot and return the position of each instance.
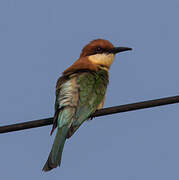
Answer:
(98, 48)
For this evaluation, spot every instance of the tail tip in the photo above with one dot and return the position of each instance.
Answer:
(48, 166)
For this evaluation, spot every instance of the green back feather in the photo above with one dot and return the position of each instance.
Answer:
(92, 89)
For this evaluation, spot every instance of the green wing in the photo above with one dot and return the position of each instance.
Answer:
(92, 89)
(76, 99)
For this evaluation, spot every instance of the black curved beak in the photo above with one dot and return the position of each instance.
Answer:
(119, 49)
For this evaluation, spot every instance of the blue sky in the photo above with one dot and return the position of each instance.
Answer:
(41, 38)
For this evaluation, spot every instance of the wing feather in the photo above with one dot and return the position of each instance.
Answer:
(83, 91)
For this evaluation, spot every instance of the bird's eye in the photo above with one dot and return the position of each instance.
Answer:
(98, 49)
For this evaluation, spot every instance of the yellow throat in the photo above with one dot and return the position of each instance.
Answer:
(102, 59)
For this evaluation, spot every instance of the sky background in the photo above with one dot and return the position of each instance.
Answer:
(39, 39)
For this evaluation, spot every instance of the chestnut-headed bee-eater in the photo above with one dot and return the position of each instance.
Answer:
(80, 91)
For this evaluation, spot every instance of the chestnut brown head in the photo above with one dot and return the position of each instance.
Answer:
(100, 46)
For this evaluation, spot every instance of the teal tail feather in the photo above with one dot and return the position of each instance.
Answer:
(55, 155)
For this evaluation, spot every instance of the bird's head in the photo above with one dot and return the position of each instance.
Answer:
(101, 52)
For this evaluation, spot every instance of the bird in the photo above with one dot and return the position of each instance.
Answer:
(80, 91)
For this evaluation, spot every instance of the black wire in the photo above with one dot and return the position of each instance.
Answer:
(102, 112)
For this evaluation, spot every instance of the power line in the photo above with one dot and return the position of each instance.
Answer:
(102, 112)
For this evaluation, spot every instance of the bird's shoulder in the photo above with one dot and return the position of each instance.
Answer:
(84, 78)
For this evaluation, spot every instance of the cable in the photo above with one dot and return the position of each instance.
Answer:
(102, 112)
